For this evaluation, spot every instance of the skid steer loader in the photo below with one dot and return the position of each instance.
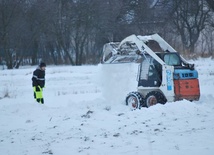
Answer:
(163, 75)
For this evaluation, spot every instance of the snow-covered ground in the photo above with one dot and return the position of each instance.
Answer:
(84, 113)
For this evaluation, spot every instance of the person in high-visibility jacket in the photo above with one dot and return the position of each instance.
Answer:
(38, 82)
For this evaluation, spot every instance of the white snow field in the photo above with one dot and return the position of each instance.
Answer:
(84, 113)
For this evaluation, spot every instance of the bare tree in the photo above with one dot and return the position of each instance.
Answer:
(211, 4)
(73, 32)
(9, 10)
(190, 19)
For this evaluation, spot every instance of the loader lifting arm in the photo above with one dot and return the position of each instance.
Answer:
(129, 49)
(133, 47)
(142, 47)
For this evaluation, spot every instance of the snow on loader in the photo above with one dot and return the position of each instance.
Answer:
(163, 76)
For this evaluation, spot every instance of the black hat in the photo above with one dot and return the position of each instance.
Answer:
(42, 64)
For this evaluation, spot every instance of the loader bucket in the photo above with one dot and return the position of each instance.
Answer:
(125, 54)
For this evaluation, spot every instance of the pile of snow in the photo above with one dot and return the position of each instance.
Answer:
(116, 81)
(84, 113)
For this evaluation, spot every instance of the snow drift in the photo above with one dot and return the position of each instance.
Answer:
(84, 113)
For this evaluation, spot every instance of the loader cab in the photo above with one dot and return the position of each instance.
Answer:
(150, 71)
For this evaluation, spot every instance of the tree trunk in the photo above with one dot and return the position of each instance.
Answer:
(69, 57)
(35, 52)
(192, 48)
(9, 60)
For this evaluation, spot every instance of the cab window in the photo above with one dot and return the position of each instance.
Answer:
(172, 59)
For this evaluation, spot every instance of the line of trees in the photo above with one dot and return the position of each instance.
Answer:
(74, 31)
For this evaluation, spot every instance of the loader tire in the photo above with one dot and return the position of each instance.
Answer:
(134, 100)
(153, 98)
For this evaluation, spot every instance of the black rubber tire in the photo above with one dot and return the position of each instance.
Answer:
(154, 97)
(135, 100)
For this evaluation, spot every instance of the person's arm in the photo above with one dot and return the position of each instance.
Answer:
(35, 79)
(44, 80)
